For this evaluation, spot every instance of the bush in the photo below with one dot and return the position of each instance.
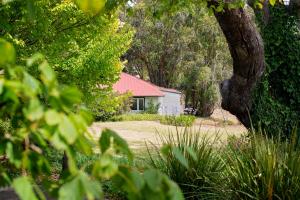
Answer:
(201, 178)
(152, 108)
(110, 105)
(264, 169)
(182, 120)
(253, 167)
(137, 117)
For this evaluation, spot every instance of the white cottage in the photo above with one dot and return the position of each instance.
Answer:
(143, 92)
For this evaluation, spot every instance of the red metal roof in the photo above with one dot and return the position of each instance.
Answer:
(169, 90)
(136, 86)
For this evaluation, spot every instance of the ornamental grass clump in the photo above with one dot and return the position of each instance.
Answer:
(268, 168)
(193, 162)
(253, 166)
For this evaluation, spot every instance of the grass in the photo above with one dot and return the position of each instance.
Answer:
(253, 167)
(201, 178)
(264, 168)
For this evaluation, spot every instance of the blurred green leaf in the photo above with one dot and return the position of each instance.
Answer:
(173, 192)
(153, 179)
(67, 129)
(24, 189)
(70, 96)
(167, 149)
(12, 154)
(91, 6)
(79, 187)
(31, 83)
(34, 111)
(192, 153)
(119, 143)
(105, 168)
(272, 2)
(52, 117)
(34, 59)
(47, 76)
(7, 52)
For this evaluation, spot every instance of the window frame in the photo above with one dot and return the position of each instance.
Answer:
(138, 99)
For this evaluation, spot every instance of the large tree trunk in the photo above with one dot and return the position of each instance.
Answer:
(247, 51)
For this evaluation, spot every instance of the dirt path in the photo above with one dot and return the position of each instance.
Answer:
(136, 133)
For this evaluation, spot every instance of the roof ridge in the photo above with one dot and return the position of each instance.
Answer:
(158, 87)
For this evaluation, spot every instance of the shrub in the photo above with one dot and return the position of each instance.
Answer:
(152, 108)
(194, 163)
(264, 169)
(43, 115)
(110, 104)
(137, 117)
(253, 167)
(182, 120)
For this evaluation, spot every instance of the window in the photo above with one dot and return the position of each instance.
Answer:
(134, 104)
(138, 104)
(141, 104)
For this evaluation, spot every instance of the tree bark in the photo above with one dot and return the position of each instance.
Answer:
(247, 51)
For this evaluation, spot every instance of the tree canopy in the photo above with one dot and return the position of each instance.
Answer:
(83, 49)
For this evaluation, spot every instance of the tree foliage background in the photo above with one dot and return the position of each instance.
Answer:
(84, 50)
(174, 49)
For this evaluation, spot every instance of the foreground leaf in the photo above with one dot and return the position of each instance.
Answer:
(24, 189)
(79, 187)
(7, 52)
(119, 143)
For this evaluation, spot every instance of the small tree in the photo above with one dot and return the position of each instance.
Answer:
(201, 91)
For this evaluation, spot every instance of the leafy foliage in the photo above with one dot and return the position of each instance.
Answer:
(182, 120)
(277, 98)
(43, 115)
(264, 168)
(152, 108)
(83, 49)
(255, 167)
(201, 92)
(187, 43)
(40, 112)
(109, 104)
(137, 117)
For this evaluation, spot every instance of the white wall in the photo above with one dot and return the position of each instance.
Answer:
(171, 104)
